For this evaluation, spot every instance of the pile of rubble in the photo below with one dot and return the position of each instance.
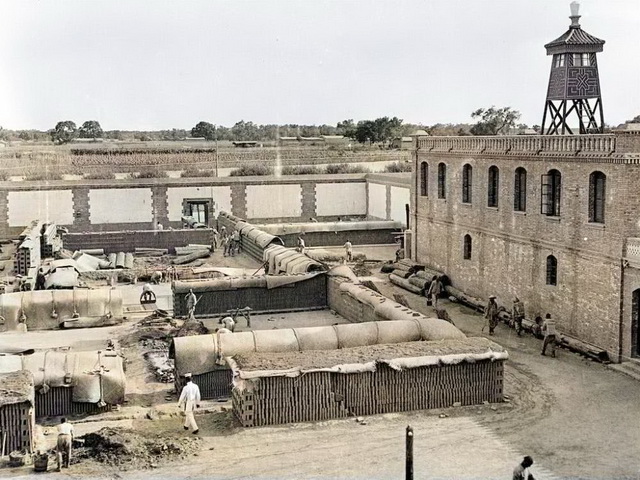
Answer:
(127, 449)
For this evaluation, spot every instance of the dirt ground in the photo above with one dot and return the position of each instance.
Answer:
(575, 417)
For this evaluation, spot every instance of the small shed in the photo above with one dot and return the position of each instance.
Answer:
(17, 416)
(403, 143)
(245, 144)
(284, 141)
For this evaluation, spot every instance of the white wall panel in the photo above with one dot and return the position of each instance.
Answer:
(377, 201)
(399, 198)
(46, 205)
(341, 199)
(274, 201)
(120, 205)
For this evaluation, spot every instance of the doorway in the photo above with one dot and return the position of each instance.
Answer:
(199, 210)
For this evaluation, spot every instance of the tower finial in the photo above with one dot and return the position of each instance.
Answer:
(575, 14)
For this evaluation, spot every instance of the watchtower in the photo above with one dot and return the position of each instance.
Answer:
(574, 84)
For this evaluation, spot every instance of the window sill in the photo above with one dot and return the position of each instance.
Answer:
(597, 226)
(441, 199)
(494, 209)
(549, 218)
(520, 212)
(466, 204)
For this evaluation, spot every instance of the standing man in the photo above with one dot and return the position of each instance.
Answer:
(192, 301)
(235, 242)
(301, 246)
(549, 330)
(225, 242)
(65, 440)
(521, 472)
(435, 289)
(189, 401)
(348, 248)
(491, 314)
(159, 227)
(517, 314)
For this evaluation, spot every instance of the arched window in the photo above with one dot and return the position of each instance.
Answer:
(467, 181)
(552, 270)
(597, 189)
(424, 179)
(520, 190)
(550, 198)
(493, 186)
(442, 180)
(466, 249)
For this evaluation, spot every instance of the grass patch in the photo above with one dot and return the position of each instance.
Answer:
(398, 167)
(104, 175)
(196, 172)
(301, 170)
(250, 170)
(42, 175)
(345, 168)
(150, 174)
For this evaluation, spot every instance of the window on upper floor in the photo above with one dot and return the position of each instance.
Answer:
(520, 190)
(442, 180)
(558, 60)
(466, 247)
(467, 183)
(597, 191)
(581, 60)
(493, 186)
(552, 270)
(424, 179)
(550, 195)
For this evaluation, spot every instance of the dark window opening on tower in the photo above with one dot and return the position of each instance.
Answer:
(581, 60)
(552, 270)
(558, 60)
(550, 199)
(424, 178)
(520, 190)
(493, 186)
(442, 180)
(466, 250)
(597, 190)
(467, 183)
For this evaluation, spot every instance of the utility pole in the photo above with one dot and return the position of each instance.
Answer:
(215, 132)
(409, 454)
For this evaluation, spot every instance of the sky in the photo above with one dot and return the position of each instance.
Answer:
(155, 64)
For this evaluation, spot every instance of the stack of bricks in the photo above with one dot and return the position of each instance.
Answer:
(27, 257)
(318, 396)
(50, 241)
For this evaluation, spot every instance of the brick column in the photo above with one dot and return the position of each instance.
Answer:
(239, 200)
(308, 201)
(4, 214)
(159, 205)
(81, 209)
(388, 198)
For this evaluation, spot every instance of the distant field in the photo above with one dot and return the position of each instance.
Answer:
(48, 161)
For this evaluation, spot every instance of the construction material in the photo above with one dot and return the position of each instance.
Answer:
(28, 255)
(112, 260)
(120, 260)
(128, 260)
(151, 252)
(404, 283)
(90, 322)
(92, 251)
(16, 410)
(191, 257)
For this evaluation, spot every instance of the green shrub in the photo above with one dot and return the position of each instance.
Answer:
(398, 167)
(104, 175)
(42, 175)
(250, 170)
(300, 170)
(196, 172)
(150, 174)
(346, 168)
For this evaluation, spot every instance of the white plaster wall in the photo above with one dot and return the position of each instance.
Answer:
(341, 199)
(399, 198)
(274, 201)
(120, 205)
(221, 197)
(46, 205)
(377, 201)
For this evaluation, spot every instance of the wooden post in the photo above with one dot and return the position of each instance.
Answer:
(409, 454)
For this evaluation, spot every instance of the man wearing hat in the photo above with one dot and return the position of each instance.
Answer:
(491, 314)
(189, 401)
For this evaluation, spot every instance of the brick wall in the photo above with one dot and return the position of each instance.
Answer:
(127, 241)
(509, 248)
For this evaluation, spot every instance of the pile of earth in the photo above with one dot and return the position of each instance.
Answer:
(127, 449)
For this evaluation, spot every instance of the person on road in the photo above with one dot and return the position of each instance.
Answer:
(517, 314)
(521, 472)
(549, 330)
(348, 249)
(189, 401)
(491, 314)
(191, 304)
(435, 289)
(63, 446)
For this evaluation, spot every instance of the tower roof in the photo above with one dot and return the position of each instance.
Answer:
(575, 40)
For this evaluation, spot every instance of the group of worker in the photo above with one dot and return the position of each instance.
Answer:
(229, 242)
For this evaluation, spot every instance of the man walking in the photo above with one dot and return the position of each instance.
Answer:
(65, 441)
(435, 289)
(192, 301)
(549, 330)
(517, 314)
(521, 472)
(348, 248)
(491, 314)
(189, 401)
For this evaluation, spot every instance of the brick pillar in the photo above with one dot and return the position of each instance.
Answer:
(81, 209)
(308, 200)
(239, 200)
(4, 214)
(388, 207)
(159, 205)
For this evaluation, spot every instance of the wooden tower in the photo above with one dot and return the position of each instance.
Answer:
(574, 104)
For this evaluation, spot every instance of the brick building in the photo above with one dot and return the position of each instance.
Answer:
(552, 219)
